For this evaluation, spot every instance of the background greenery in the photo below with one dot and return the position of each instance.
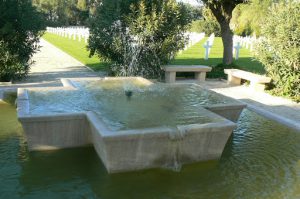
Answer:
(65, 12)
(20, 29)
(279, 49)
(192, 56)
(249, 18)
(138, 36)
(207, 23)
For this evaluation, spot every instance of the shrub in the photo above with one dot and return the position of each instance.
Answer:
(279, 49)
(138, 36)
(20, 26)
(218, 70)
(10, 66)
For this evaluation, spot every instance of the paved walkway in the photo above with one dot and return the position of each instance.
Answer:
(50, 65)
(280, 109)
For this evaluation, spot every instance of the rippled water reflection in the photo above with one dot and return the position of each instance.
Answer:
(261, 160)
(147, 106)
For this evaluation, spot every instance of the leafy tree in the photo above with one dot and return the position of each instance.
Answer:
(20, 26)
(82, 5)
(279, 49)
(138, 36)
(65, 12)
(208, 24)
(10, 65)
(222, 10)
(195, 11)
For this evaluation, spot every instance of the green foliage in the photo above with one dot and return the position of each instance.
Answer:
(82, 5)
(20, 26)
(138, 36)
(10, 65)
(279, 50)
(208, 24)
(196, 26)
(248, 18)
(195, 11)
(218, 70)
(65, 12)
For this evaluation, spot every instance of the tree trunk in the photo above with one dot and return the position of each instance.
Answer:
(222, 10)
(227, 43)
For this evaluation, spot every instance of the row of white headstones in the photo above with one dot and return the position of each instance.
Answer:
(82, 33)
(193, 38)
(75, 33)
(239, 42)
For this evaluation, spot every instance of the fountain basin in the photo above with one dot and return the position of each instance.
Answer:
(125, 145)
(158, 147)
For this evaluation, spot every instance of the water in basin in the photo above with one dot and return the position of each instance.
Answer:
(130, 104)
(261, 160)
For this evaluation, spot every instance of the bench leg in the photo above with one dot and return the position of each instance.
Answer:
(170, 77)
(233, 80)
(257, 86)
(200, 76)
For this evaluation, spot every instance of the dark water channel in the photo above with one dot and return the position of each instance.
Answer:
(261, 160)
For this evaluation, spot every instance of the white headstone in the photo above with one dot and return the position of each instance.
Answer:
(237, 48)
(207, 47)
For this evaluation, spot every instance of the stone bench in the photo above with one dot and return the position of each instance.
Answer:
(200, 71)
(256, 81)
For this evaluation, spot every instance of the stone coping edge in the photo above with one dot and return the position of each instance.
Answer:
(153, 131)
(275, 117)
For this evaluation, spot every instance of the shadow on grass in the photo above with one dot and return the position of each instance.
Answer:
(101, 66)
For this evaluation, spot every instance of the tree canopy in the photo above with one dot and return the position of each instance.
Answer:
(279, 48)
(248, 18)
(138, 36)
(65, 12)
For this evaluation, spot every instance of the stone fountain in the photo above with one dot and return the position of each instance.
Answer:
(132, 123)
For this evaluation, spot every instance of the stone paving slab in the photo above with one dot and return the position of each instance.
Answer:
(285, 110)
(52, 64)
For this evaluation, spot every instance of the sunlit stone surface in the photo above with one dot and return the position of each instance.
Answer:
(132, 123)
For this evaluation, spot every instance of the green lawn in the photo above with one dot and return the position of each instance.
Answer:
(192, 56)
(195, 55)
(77, 50)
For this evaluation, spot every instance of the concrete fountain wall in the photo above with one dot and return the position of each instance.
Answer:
(52, 131)
(134, 149)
